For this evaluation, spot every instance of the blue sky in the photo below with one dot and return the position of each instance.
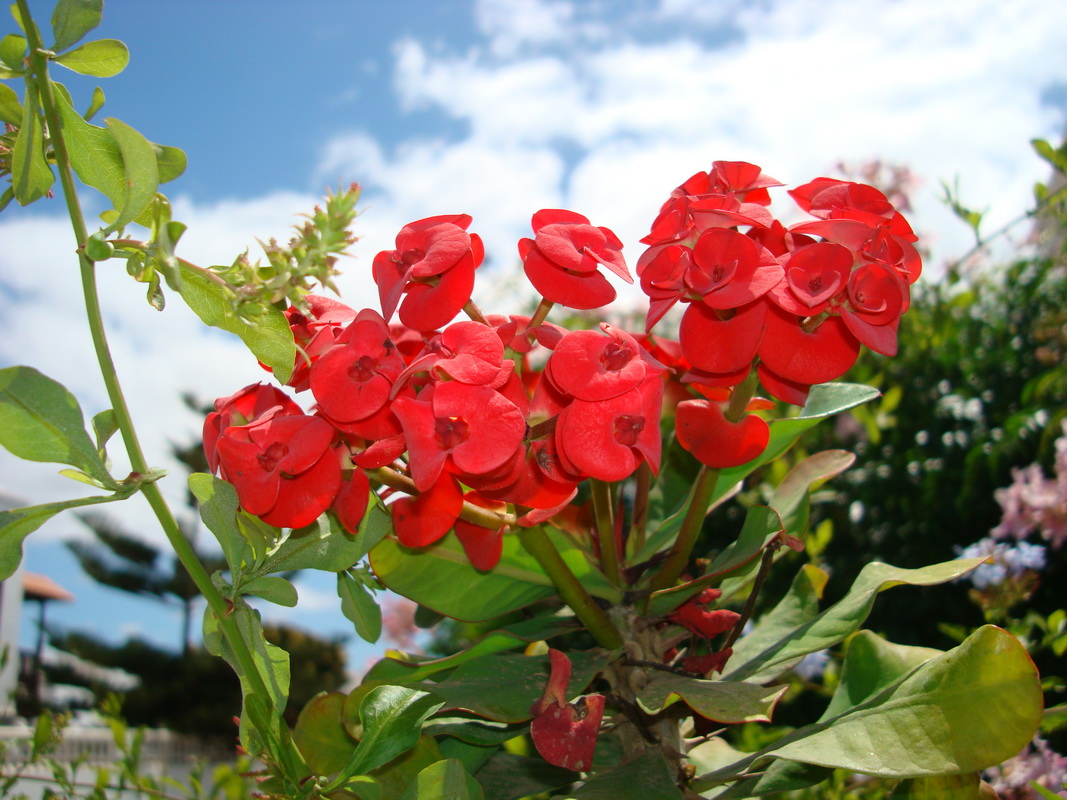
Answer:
(495, 108)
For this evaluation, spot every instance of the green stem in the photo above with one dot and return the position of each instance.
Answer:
(138, 464)
(603, 513)
(700, 500)
(635, 543)
(570, 589)
(539, 315)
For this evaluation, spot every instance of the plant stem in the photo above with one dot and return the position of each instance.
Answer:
(603, 513)
(635, 543)
(700, 499)
(138, 463)
(595, 619)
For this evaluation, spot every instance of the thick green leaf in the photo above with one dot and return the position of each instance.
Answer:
(520, 634)
(72, 19)
(481, 732)
(272, 588)
(324, 545)
(13, 51)
(445, 780)
(10, 107)
(872, 664)
(31, 177)
(359, 607)
(103, 58)
(764, 659)
(270, 339)
(217, 501)
(645, 778)
(722, 701)
(963, 711)
(391, 718)
(171, 161)
(441, 577)
(94, 153)
(503, 686)
(41, 421)
(141, 173)
(321, 735)
(967, 786)
(18, 523)
(790, 498)
(507, 776)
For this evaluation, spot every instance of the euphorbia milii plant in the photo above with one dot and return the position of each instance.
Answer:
(515, 463)
(545, 471)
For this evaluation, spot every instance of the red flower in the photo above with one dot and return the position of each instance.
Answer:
(815, 275)
(249, 404)
(474, 429)
(562, 261)
(804, 356)
(730, 270)
(433, 263)
(283, 467)
(608, 439)
(703, 429)
(565, 733)
(315, 332)
(722, 342)
(588, 366)
(353, 380)
(704, 622)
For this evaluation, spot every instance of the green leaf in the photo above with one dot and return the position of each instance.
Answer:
(520, 634)
(359, 607)
(762, 659)
(967, 786)
(10, 107)
(324, 545)
(18, 523)
(271, 663)
(217, 501)
(141, 173)
(391, 719)
(645, 778)
(790, 498)
(72, 19)
(270, 339)
(321, 735)
(170, 161)
(445, 780)
(105, 425)
(970, 708)
(95, 104)
(722, 701)
(481, 732)
(41, 421)
(94, 153)
(507, 776)
(503, 686)
(272, 588)
(441, 577)
(872, 664)
(103, 58)
(31, 177)
(13, 51)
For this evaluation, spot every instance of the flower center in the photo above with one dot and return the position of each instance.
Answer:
(270, 457)
(628, 428)
(363, 370)
(616, 356)
(450, 432)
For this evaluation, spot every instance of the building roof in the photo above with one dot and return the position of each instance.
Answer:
(40, 587)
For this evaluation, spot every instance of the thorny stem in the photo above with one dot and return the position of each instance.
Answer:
(182, 547)
(570, 589)
(603, 514)
(700, 500)
(757, 584)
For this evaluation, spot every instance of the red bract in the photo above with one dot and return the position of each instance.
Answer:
(283, 468)
(482, 545)
(703, 429)
(608, 439)
(249, 404)
(354, 379)
(473, 428)
(877, 296)
(814, 276)
(466, 351)
(703, 622)
(433, 263)
(315, 331)
(804, 356)
(565, 733)
(352, 499)
(422, 520)
(722, 342)
(730, 270)
(589, 366)
(562, 262)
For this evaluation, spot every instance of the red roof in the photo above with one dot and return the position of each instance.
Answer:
(39, 587)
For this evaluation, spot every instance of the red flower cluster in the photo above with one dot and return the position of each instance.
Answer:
(565, 733)
(458, 429)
